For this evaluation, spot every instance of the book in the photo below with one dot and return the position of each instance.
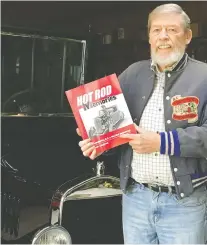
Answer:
(101, 112)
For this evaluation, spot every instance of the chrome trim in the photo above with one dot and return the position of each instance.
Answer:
(32, 66)
(94, 193)
(6, 33)
(82, 73)
(63, 75)
(77, 186)
(61, 196)
(100, 168)
(44, 230)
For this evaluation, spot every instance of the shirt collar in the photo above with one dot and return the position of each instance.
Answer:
(175, 67)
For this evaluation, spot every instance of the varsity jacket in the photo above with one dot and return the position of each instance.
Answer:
(185, 112)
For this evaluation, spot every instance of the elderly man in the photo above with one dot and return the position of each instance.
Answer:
(164, 167)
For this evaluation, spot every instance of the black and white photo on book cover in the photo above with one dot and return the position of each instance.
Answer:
(106, 117)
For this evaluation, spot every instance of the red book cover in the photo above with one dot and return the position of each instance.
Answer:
(101, 112)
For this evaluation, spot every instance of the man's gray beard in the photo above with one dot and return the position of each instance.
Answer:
(168, 61)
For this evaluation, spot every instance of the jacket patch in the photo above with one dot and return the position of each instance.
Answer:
(185, 108)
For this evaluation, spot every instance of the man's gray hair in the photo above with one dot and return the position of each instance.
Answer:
(170, 8)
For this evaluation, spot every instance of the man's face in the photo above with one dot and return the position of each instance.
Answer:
(168, 38)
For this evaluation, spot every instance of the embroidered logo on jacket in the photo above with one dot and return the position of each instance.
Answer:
(185, 108)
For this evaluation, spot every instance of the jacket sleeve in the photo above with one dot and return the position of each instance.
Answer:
(188, 142)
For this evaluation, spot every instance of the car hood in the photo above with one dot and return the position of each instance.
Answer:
(44, 151)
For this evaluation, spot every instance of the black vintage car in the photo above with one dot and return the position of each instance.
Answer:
(50, 194)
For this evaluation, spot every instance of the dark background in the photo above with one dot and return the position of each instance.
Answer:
(90, 21)
(71, 17)
(79, 19)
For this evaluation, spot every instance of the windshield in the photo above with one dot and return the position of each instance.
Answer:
(36, 72)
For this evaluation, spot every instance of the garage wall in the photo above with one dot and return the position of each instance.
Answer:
(75, 17)
(72, 19)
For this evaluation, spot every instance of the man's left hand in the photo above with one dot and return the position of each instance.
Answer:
(144, 141)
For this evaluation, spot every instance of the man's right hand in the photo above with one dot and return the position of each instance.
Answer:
(87, 147)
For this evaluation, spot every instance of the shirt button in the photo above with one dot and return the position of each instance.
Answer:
(167, 97)
(127, 166)
(182, 194)
(168, 122)
(178, 182)
(125, 177)
(175, 169)
(143, 97)
(169, 75)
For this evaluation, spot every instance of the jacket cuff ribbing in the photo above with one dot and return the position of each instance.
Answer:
(170, 144)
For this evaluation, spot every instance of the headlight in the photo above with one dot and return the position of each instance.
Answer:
(52, 235)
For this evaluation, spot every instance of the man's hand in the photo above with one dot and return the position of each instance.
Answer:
(87, 147)
(144, 141)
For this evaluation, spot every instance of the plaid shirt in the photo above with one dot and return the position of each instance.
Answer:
(154, 168)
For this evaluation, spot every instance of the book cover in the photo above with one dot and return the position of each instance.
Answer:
(101, 112)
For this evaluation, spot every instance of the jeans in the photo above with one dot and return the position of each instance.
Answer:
(158, 218)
